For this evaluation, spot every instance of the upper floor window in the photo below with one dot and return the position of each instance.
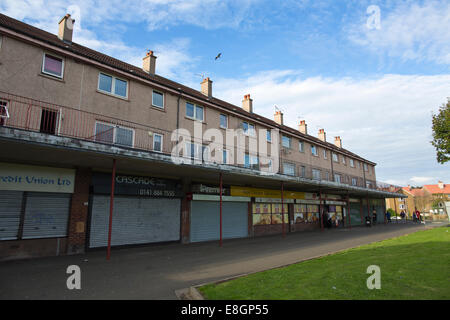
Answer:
(327, 175)
(301, 146)
(194, 111)
(337, 178)
(112, 85)
(197, 151)
(248, 128)
(354, 182)
(286, 142)
(365, 167)
(225, 156)
(157, 142)
(53, 66)
(158, 99)
(251, 161)
(223, 121)
(352, 163)
(335, 157)
(110, 133)
(289, 169)
(325, 154)
(314, 150)
(316, 174)
(269, 136)
(343, 159)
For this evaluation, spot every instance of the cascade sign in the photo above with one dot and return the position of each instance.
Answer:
(136, 186)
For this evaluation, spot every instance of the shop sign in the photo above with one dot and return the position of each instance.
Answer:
(265, 193)
(311, 196)
(136, 186)
(308, 201)
(20, 177)
(205, 189)
(210, 197)
(338, 203)
(273, 200)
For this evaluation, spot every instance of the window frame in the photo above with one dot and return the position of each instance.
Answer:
(153, 142)
(317, 171)
(290, 164)
(316, 153)
(268, 136)
(340, 178)
(249, 132)
(49, 73)
(163, 100)
(325, 154)
(352, 163)
(302, 148)
(195, 112)
(113, 86)
(220, 121)
(333, 155)
(114, 132)
(289, 139)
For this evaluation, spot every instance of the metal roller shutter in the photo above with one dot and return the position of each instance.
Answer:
(355, 214)
(10, 208)
(135, 220)
(46, 215)
(205, 220)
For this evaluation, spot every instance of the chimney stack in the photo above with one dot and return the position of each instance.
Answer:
(149, 62)
(278, 117)
(440, 185)
(338, 142)
(303, 127)
(65, 30)
(207, 87)
(247, 103)
(322, 135)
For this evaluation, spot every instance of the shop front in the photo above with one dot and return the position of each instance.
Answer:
(205, 214)
(337, 210)
(34, 209)
(146, 210)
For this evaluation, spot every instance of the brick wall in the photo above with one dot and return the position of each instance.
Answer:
(79, 212)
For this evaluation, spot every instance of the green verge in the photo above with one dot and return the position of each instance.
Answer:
(415, 266)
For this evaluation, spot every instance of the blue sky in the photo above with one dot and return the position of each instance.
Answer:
(315, 60)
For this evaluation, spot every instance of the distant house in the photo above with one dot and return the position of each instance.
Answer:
(440, 193)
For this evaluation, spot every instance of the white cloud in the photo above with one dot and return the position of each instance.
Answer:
(386, 119)
(410, 31)
(423, 180)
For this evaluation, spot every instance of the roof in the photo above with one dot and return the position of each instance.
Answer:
(434, 188)
(52, 39)
(416, 192)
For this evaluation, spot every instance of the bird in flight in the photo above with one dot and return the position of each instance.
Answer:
(218, 56)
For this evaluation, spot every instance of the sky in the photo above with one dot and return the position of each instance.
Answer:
(372, 72)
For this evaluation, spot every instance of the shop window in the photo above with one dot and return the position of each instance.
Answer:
(49, 120)
(269, 213)
(306, 213)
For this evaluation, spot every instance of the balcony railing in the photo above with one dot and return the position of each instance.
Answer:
(52, 119)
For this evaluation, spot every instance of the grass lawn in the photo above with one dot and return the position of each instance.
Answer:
(415, 266)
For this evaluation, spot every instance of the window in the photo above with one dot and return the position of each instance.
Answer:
(301, 146)
(306, 213)
(269, 213)
(269, 136)
(158, 99)
(223, 121)
(288, 169)
(402, 206)
(352, 163)
(157, 142)
(354, 182)
(286, 142)
(109, 133)
(314, 150)
(327, 176)
(316, 174)
(194, 111)
(53, 66)
(225, 154)
(112, 85)
(337, 178)
(197, 151)
(248, 128)
(365, 167)
(324, 154)
(335, 157)
(251, 161)
(49, 121)
(343, 159)
(4, 114)
(303, 171)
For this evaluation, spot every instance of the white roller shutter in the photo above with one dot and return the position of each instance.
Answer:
(205, 220)
(135, 220)
(46, 215)
(10, 208)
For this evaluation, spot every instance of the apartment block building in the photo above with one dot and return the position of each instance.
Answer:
(76, 124)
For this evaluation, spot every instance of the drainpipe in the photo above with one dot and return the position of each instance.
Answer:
(220, 177)
(178, 118)
(111, 207)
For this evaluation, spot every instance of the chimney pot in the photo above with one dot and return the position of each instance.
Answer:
(149, 62)
(322, 135)
(303, 127)
(338, 142)
(65, 30)
(247, 103)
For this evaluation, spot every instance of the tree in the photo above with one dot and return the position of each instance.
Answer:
(441, 133)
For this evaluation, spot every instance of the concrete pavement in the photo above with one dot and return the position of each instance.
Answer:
(156, 271)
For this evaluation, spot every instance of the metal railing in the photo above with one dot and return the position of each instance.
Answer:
(38, 116)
